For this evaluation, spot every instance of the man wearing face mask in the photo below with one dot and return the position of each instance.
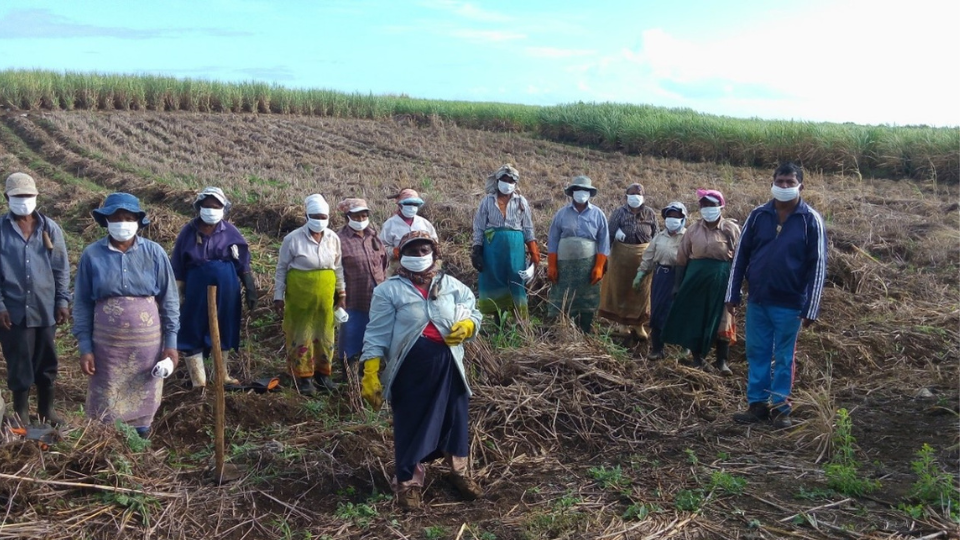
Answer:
(364, 263)
(308, 286)
(502, 237)
(34, 298)
(660, 260)
(578, 246)
(783, 255)
(211, 251)
(632, 227)
(403, 222)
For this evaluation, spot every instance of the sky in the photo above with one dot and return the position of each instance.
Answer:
(867, 62)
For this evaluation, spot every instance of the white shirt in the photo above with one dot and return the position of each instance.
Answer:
(300, 251)
(395, 228)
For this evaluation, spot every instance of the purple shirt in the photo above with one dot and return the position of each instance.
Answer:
(193, 248)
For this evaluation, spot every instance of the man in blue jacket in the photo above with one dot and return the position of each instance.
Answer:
(783, 255)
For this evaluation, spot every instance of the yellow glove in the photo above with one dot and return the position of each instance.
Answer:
(459, 332)
(370, 389)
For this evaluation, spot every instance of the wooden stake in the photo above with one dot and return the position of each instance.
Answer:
(219, 401)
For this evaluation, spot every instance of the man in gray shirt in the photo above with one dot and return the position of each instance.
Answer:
(34, 297)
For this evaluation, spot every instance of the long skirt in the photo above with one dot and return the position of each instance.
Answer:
(619, 302)
(501, 288)
(308, 322)
(573, 294)
(661, 295)
(194, 335)
(350, 340)
(695, 316)
(126, 346)
(429, 402)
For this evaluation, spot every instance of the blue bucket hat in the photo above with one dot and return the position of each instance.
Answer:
(119, 201)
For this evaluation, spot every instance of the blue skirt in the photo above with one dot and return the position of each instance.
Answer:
(661, 295)
(194, 335)
(500, 285)
(350, 340)
(429, 402)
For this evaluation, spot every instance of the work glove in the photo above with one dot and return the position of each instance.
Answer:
(370, 389)
(476, 258)
(620, 236)
(553, 273)
(527, 274)
(459, 332)
(636, 281)
(534, 250)
(598, 267)
(251, 290)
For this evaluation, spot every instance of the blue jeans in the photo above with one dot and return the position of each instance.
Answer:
(771, 344)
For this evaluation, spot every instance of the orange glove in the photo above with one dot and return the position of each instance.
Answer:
(396, 254)
(598, 267)
(553, 274)
(534, 251)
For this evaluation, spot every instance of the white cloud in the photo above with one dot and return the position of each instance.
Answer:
(554, 52)
(467, 10)
(473, 34)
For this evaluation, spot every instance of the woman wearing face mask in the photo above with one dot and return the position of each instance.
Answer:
(308, 287)
(211, 251)
(698, 318)
(578, 245)
(404, 221)
(502, 237)
(125, 316)
(632, 226)
(364, 262)
(419, 319)
(659, 260)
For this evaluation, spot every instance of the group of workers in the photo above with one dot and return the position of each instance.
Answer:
(135, 309)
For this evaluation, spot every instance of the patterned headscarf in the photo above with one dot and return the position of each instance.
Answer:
(408, 195)
(425, 277)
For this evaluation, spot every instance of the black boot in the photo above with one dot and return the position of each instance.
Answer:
(324, 382)
(21, 407)
(656, 345)
(45, 406)
(723, 351)
(305, 386)
(695, 361)
(757, 412)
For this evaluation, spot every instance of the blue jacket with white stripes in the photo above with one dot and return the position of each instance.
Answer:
(784, 265)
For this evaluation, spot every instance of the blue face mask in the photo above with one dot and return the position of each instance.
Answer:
(711, 213)
(674, 224)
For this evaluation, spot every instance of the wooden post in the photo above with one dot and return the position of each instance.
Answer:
(219, 402)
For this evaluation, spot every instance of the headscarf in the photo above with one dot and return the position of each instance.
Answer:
(712, 194)
(408, 195)
(506, 170)
(425, 277)
(316, 204)
(635, 185)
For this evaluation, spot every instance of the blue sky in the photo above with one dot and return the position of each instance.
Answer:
(872, 62)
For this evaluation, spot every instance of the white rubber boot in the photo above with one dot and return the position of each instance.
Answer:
(198, 375)
(225, 376)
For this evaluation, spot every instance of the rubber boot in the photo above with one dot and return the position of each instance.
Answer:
(305, 386)
(45, 406)
(723, 351)
(225, 374)
(21, 407)
(198, 375)
(695, 361)
(757, 412)
(324, 382)
(656, 345)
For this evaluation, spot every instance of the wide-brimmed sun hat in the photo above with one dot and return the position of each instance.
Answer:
(580, 183)
(674, 205)
(119, 201)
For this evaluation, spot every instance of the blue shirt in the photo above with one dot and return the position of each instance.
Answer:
(104, 272)
(33, 279)
(590, 224)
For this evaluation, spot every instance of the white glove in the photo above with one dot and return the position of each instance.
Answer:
(341, 315)
(620, 236)
(163, 369)
(527, 275)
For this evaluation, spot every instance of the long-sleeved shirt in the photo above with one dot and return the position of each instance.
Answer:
(300, 251)
(395, 228)
(590, 224)
(399, 314)
(106, 272)
(662, 250)
(516, 216)
(785, 263)
(639, 228)
(193, 248)
(703, 242)
(33, 279)
(364, 264)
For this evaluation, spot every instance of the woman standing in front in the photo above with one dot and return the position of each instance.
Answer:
(698, 318)
(419, 319)
(632, 226)
(125, 316)
(308, 286)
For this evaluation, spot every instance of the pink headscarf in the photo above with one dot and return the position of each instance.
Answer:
(701, 193)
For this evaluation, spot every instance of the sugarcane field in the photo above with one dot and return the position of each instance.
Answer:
(574, 427)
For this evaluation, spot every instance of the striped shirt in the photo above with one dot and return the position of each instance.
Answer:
(489, 216)
(639, 228)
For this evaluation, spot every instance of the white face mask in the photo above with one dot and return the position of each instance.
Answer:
(23, 206)
(711, 213)
(317, 225)
(785, 194)
(416, 264)
(358, 225)
(673, 224)
(581, 197)
(211, 216)
(121, 231)
(635, 201)
(506, 187)
(409, 210)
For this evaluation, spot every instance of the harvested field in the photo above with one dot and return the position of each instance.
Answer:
(571, 436)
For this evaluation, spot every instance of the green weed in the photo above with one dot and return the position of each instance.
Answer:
(843, 470)
(612, 478)
(435, 532)
(133, 439)
(360, 514)
(722, 480)
(933, 485)
(639, 512)
(688, 500)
